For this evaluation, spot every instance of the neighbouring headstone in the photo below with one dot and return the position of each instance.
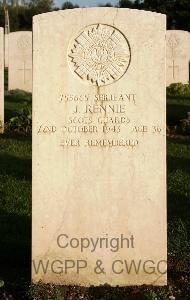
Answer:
(99, 147)
(20, 61)
(1, 80)
(178, 56)
(6, 50)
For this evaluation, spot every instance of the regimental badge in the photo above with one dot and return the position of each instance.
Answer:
(99, 54)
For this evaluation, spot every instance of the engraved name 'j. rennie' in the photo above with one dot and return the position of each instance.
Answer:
(98, 108)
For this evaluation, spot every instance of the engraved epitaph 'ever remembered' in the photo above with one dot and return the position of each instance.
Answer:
(20, 60)
(1, 80)
(99, 158)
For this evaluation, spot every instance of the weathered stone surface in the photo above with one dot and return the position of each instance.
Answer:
(178, 56)
(20, 60)
(99, 146)
(1, 80)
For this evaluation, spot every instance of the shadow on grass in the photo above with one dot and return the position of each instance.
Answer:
(16, 136)
(15, 252)
(178, 207)
(175, 163)
(178, 198)
(15, 231)
(16, 167)
(180, 98)
(116, 293)
(15, 220)
(181, 141)
(6, 79)
(176, 112)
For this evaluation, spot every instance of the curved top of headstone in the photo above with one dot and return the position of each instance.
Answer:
(178, 39)
(181, 33)
(178, 34)
(20, 32)
(97, 10)
(23, 39)
(106, 54)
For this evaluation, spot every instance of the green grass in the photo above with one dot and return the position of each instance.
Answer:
(15, 198)
(15, 178)
(14, 102)
(178, 161)
(15, 208)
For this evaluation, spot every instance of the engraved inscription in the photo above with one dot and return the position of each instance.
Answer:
(99, 55)
(24, 71)
(100, 121)
(174, 69)
(173, 43)
(24, 42)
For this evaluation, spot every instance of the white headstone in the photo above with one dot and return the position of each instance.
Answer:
(6, 50)
(20, 61)
(178, 56)
(1, 80)
(99, 147)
